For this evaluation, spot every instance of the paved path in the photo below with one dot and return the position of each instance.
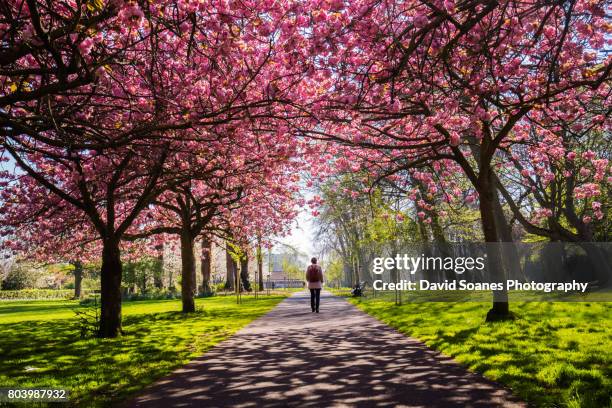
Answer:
(340, 357)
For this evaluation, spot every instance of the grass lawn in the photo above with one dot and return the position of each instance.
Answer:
(40, 344)
(553, 355)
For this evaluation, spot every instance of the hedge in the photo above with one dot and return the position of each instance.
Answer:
(38, 294)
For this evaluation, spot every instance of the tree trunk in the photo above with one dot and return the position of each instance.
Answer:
(440, 243)
(110, 314)
(597, 256)
(230, 266)
(260, 268)
(486, 191)
(78, 278)
(158, 276)
(347, 274)
(188, 288)
(244, 273)
(510, 252)
(427, 249)
(355, 270)
(362, 265)
(206, 265)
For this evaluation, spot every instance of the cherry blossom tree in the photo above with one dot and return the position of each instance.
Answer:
(453, 83)
(557, 181)
(109, 145)
(252, 172)
(111, 111)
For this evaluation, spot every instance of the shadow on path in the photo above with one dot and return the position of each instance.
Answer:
(340, 357)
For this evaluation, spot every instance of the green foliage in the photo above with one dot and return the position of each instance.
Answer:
(334, 272)
(20, 276)
(461, 223)
(359, 227)
(292, 270)
(154, 294)
(141, 274)
(235, 251)
(555, 354)
(28, 275)
(88, 318)
(41, 346)
(388, 223)
(36, 294)
(218, 287)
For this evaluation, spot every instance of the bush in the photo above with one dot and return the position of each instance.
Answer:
(20, 276)
(36, 294)
(154, 294)
(206, 294)
(92, 298)
(88, 319)
(218, 287)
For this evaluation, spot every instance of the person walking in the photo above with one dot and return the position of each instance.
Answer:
(314, 278)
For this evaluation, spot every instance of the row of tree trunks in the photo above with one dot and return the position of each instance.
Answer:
(234, 275)
(112, 270)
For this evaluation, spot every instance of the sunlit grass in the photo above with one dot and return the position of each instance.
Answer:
(553, 355)
(40, 344)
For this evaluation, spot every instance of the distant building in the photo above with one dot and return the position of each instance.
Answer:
(285, 271)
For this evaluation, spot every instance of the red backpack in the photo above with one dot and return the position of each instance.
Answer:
(314, 273)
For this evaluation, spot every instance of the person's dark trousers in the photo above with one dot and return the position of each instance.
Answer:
(315, 296)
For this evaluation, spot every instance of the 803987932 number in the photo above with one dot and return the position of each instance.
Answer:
(33, 394)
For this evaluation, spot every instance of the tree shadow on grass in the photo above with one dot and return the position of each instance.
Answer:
(98, 371)
(554, 354)
(39, 307)
(339, 357)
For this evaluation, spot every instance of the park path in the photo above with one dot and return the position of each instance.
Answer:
(340, 357)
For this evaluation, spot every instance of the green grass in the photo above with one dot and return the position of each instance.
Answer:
(40, 344)
(553, 355)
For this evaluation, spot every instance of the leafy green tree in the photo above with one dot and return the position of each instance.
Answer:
(334, 272)
(21, 276)
(138, 276)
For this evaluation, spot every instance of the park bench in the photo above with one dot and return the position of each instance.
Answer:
(359, 289)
